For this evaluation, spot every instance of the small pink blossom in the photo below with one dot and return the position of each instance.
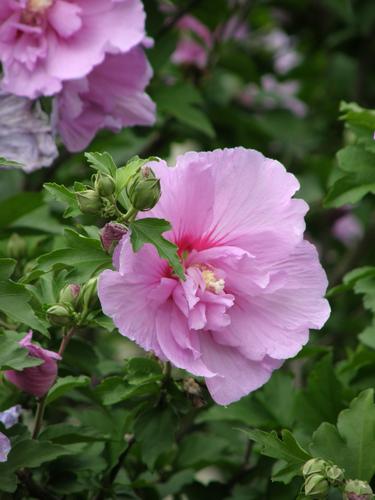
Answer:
(46, 42)
(111, 97)
(283, 48)
(195, 43)
(348, 229)
(5, 447)
(253, 286)
(10, 416)
(273, 94)
(36, 380)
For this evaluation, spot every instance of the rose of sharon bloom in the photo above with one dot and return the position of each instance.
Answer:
(10, 416)
(25, 133)
(273, 94)
(112, 96)
(4, 447)
(253, 286)
(36, 380)
(46, 42)
(195, 43)
(348, 229)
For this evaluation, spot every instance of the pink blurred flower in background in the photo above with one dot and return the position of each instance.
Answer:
(283, 48)
(25, 133)
(36, 380)
(5, 447)
(111, 97)
(272, 94)
(195, 43)
(46, 42)
(348, 229)
(253, 286)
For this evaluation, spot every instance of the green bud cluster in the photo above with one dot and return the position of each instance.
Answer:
(319, 476)
(357, 490)
(75, 303)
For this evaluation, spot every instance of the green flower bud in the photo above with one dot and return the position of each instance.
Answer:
(69, 294)
(143, 189)
(16, 247)
(334, 474)
(145, 195)
(314, 466)
(357, 490)
(59, 315)
(316, 485)
(88, 296)
(88, 201)
(104, 185)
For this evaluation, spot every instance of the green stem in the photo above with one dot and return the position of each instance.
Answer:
(39, 416)
(42, 402)
(130, 215)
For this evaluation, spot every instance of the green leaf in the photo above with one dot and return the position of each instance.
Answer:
(278, 398)
(350, 445)
(357, 167)
(6, 268)
(150, 230)
(66, 384)
(367, 337)
(14, 302)
(12, 355)
(85, 256)
(65, 196)
(4, 162)
(199, 449)
(103, 162)
(287, 448)
(18, 205)
(322, 400)
(154, 429)
(184, 102)
(351, 278)
(68, 434)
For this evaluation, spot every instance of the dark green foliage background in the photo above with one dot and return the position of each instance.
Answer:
(117, 425)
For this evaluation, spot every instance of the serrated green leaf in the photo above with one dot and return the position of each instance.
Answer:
(150, 230)
(65, 196)
(102, 162)
(66, 384)
(4, 162)
(350, 445)
(287, 448)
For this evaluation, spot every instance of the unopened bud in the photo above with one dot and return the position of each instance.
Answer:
(59, 315)
(16, 247)
(111, 234)
(143, 189)
(314, 466)
(88, 296)
(88, 201)
(191, 386)
(316, 485)
(104, 185)
(357, 490)
(69, 294)
(334, 474)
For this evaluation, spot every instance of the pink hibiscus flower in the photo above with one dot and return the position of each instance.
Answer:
(253, 286)
(195, 43)
(36, 380)
(45, 42)
(112, 96)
